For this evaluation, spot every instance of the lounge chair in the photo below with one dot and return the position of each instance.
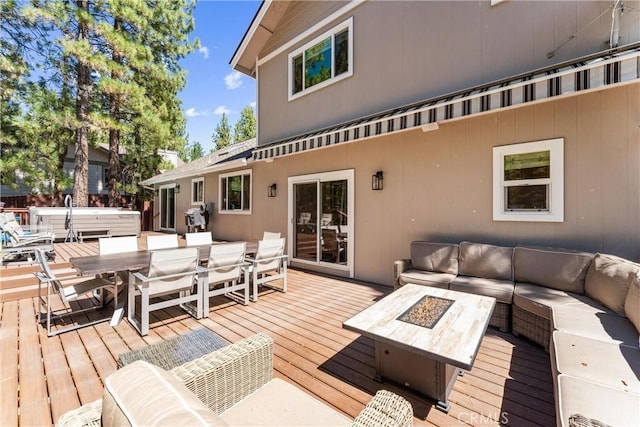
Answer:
(23, 242)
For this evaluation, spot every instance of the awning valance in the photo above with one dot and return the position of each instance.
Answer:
(617, 67)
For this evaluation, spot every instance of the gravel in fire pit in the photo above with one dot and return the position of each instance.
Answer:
(426, 312)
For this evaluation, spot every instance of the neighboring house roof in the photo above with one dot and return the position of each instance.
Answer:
(226, 158)
(594, 72)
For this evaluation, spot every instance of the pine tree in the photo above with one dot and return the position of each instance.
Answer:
(245, 127)
(222, 133)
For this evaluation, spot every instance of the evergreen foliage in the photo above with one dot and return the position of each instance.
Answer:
(222, 133)
(245, 127)
(92, 72)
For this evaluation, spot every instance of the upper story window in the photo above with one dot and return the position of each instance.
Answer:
(528, 181)
(235, 192)
(197, 191)
(321, 62)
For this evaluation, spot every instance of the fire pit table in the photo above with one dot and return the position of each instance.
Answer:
(424, 337)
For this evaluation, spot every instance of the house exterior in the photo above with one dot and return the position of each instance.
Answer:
(24, 196)
(380, 123)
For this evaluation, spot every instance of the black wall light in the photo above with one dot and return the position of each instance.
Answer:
(271, 190)
(177, 189)
(377, 181)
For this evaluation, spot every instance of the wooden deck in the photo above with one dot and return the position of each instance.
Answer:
(41, 378)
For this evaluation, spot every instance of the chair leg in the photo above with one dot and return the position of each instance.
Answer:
(144, 311)
(255, 284)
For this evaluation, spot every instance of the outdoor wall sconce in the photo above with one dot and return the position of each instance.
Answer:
(177, 189)
(376, 181)
(271, 190)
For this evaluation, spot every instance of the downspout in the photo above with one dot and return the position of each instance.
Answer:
(616, 14)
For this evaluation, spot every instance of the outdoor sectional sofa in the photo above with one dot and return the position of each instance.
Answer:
(583, 308)
(230, 386)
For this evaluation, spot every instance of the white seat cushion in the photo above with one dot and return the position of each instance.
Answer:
(279, 403)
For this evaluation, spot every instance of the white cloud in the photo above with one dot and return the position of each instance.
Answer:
(253, 105)
(221, 110)
(204, 51)
(192, 112)
(233, 80)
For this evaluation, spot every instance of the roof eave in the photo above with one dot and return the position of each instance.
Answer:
(249, 39)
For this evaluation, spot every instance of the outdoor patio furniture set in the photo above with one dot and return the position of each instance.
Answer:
(163, 277)
(584, 308)
(20, 243)
(233, 385)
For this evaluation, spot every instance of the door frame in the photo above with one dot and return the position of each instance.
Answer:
(161, 214)
(349, 176)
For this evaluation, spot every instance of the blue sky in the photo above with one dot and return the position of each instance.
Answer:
(212, 85)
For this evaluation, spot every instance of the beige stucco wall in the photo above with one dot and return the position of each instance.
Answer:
(438, 185)
(412, 50)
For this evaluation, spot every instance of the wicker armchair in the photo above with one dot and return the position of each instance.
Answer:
(226, 376)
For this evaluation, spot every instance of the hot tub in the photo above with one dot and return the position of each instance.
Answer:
(116, 221)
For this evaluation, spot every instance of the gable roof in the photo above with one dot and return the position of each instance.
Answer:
(232, 156)
(262, 27)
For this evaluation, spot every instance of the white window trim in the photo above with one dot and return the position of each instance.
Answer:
(556, 182)
(193, 196)
(349, 175)
(222, 211)
(331, 33)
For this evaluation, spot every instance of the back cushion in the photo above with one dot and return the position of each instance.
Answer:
(632, 302)
(608, 281)
(438, 257)
(553, 268)
(486, 261)
(144, 394)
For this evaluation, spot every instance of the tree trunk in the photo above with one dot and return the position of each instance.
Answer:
(81, 171)
(114, 135)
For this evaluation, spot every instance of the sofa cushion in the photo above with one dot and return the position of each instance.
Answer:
(144, 394)
(436, 257)
(603, 362)
(488, 261)
(279, 403)
(592, 321)
(501, 290)
(632, 303)
(539, 300)
(608, 280)
(553, 268)
(596, 401)
(426, 278)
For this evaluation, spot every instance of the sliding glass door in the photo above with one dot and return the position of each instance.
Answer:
(321, 212)
(167, 208)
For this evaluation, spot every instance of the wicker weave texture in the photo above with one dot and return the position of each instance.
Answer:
(532, 326)
(177, 350)
(399, 267)
(385, 409)
(87, 415)
(228, 375)
(501, 317)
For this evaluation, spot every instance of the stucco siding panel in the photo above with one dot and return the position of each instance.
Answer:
(427, 49)
(299, 16)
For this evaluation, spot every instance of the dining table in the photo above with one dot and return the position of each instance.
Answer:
(95, 265)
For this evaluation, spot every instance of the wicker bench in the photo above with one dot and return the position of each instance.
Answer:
(228, 381)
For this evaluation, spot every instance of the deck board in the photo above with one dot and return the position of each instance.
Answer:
(44, 377)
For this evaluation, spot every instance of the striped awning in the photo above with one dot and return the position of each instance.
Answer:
(617, 67)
